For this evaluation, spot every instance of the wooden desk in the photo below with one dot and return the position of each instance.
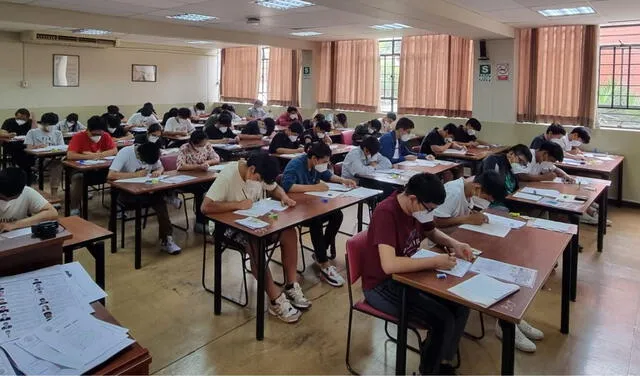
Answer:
(401, 181)
(600, 168)
(529, 247)
(243, 146)
(336, 150)
(474, 156)
(138, 189)
(71, 167)
(40, 157)
(25, 253)
(307, 207)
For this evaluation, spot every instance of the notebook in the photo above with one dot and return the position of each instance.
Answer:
(483, 290)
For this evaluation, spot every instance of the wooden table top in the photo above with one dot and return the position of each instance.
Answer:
(22, 243)
(141, 188)
(244, 145)
(591, 191)
(593, 164)
(82, 231)
(475, 153)
(82, 167)
(307, 207)
(529, 247)
(46, 154)
(336, 149)
(402, 180)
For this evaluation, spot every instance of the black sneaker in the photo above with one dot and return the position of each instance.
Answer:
(447, 369)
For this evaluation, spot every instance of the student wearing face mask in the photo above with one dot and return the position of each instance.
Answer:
(439, 140)
(287, 141)
(319, 132)
(542, 166)
(308, 173)
(94, 143)
(364, 130)
(292, 115)
(198, 111)
(21, 206)
(222, 131)
(554, 131)
(45, 135)
(237, 187)
(516, 158)
(142, 118)
(232, 110)
(19, 126)
(393, 145)
(71, 124)
(571, 142)
(115, 129)
(257, 112)
(466, 134)
(114, 111)
(254, 130)
(341, 121)
(388, 121)
(179, 125)
(153, 135)
(365, 160)
(398, 225)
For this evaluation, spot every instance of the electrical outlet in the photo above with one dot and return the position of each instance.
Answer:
(24, 84)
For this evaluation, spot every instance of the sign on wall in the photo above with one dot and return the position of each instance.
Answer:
(503, 71)
(484, 73)
(306, 73)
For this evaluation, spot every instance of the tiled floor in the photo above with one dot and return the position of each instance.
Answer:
(169, 312)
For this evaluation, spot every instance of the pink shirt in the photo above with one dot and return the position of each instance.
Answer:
(188, 155)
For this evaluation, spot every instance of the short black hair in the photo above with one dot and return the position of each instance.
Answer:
(149, 152)
(341, 118)
(146, 111)
(270, 124)
(291, 109)
(252, 128)
(197, 137)
(227, 107)
(475, 124)
(96, 123)
(49, 118)
(296, 128)
(522, 150)
(148, 105)
(173, 112)
(23, 111)
(216, 110)
(225, 118)
(319, 150)
(392, 116)
(376, 125)
(200, 106)
(492, 184)
(72, 117)
(154, 128)
(184, 113)
(370, 143)
(427, 188)
(324, 125)
(267, 166)
(583, 133)
(110, 121)
(319, 117)
(556, 129)
(113, 109)
(450, 128)
(554, 150)
(405, 123)
(12, 181)
(306, 124)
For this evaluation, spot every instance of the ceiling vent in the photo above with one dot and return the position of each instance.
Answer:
(67, 40)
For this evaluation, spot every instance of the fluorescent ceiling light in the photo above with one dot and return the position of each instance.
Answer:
(391, 26)
(199, 42)
(566, 11)
(192, 17)
(306, 33)
(91, 32)
(284, 4)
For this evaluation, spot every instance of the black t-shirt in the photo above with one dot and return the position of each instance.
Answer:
(433, 138)
(537, 142)
(281, 140)
(216, 134)
(309, 137)
(118, 132)
(253, 129)
(11, 125)
(461, 135)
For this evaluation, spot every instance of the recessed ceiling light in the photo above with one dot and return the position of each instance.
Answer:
(306, 33)
(91, 31)
(566, 11)
(391, 26)
(284, 4)
(199, 42)
(192, 17)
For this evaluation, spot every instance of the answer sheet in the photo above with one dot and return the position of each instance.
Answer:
(325, 194)
(504, 221)
(262, 207)
(493, 229)
(461, 268)
(507, 272)
(362, 192)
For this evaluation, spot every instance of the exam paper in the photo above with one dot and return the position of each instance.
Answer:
(483, 290)
(216, 168)
(546, 224)
(110, 158)
(87, 290)
(6, 369)
(51, 148)
(252, 223)
(507, 272)
(227, 146)
(261, 208)
(16, 233)
(178, 179)
(139, 129)
(362, 192)
(504, 221)
(541, 192)
(454, 152)
(419, 162)
(391, 171)
(461, 268)
(493, 229)
(92, 162)
(325, 194)
(526, 196)
(140, 180)
(338, 187)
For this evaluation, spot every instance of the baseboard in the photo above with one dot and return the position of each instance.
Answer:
(625, 203)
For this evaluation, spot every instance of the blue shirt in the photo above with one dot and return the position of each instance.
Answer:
(388, 148)
(297, 172)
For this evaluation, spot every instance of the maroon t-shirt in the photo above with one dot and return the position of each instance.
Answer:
(391, 226)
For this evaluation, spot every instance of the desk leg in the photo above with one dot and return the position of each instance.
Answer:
(217, 270)
(360, 214)
(602, 218)
(575, 240)
(620, 171)
(68, 256)
(97, 251)
(41, 173)
(401, 345)
(85, 198)
(508, 346)
(138, 245)
(113, 219)
(67, 191)
(261, 290)
(567, 256)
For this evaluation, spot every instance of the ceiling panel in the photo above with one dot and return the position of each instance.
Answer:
(113, 8)
(486, 5)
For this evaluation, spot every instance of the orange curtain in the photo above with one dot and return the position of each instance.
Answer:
(557, 74)
(435, 76)
(239, 74)
(284, 76)
(349, 75)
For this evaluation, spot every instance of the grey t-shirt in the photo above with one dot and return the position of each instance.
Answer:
(39, 137)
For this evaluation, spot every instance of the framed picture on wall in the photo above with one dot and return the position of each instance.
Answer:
(144, 73)
(66, 70)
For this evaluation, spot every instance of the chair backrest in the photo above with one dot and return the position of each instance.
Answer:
(355, 245)
(169, 162)
(347, 137)
(337, 169)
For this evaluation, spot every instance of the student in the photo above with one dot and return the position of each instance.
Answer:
(94, 143)
(71, 124)
(308, 173)
(115, 129)
(21, 206)
(213, 119)
(269, 128)
(153, 135)
(45, 135)
(140, 161)
(387, 121)
(398, 225)
(19, 126)
(365, 160)
(287, 141)
(341, 121)
(198, 111)
(466, 198)
(232, 110)
(439, 140)
(393, 145)
(253, 130)
(179, 125)
(319, 132)
(142, 118)
(318, 118)
(553, 131)
(173, 112)
(291, 116)
(542, 167)
(307, 124)
(519, 156)
(370, 128)
(237, 187)
(466, 134)
(149, 106)
(222, 131)
(114, 111)
(20, 123)
(257, 112)
(571, 142)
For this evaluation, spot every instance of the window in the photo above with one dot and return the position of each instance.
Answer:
(264, 74)
(389, 73)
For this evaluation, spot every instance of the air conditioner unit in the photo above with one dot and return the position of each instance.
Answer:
(67, 40)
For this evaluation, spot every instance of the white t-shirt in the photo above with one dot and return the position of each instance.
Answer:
(65, 127)
(535, 167)
(563, 142)
(145, 121)
(127, 161)
(229, 186)
(181, 125)
(28, 203)
(396, 152)
(37, 136)
(456, 203)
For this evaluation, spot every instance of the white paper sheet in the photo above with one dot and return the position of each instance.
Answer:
(483, 290)
(504, 221)
(546, 224)
(217, 168)
(526, 196)
(572, 162)
(325, 194)
(362, 192)
(227, 146)
(507, 272)
(492, 229)
(454, 152)
(16, 233)
(541, 192)
(391, 171)
(6, 369)
(261, 208)
(252, 223)
(178, 179)
(338, 187)
(461, 268)
(139, 129)
(92, 162)
(110, 158)
(51, 148)
(575, 205)
(140, 180)
(605, 158)
(419, 163)
(87, 290)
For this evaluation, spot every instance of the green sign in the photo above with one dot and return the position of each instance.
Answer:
(306, 70)
(484, 73)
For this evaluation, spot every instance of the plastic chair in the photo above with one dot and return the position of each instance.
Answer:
(347, 137)
(337, 169)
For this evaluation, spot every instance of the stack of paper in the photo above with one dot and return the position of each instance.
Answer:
(493, 229)
(546, 224)
(252, 223)
(261, 208)
(16, 233)
(541, 192)
(461, 268)
(504, 221)
(51, 148)
(362, 192)
(325, 194)
(92, 162)
(483, 290)
(506, 272)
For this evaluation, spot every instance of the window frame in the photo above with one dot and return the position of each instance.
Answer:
(396, 46)
(625, 69)
(263, 79)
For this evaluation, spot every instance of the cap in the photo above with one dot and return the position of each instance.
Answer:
(49, 118)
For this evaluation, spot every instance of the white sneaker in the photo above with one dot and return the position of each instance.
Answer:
(331, 276)
(609, 223)
(74, 212)
(170, 246)
(283, 310)
(522, 342)
(174, 201)
(296, 297)
(588, 219)
(531, 332)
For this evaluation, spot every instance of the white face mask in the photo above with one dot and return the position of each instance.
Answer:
(575, 144)
(547, 167)
(254, 188)
(111, 130)
(370, 130)
(71, 123)
(96, 139)
(293, 116)
(405, 137)
(153, 139)
(558, 141)
(423, 216)
(293, 138)
(322, 167)
(263, 130)
(321, 135)
(20, 121)
(223, 129)
(448, 140)
(516, 166)
(479, 202)
(471, 132)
